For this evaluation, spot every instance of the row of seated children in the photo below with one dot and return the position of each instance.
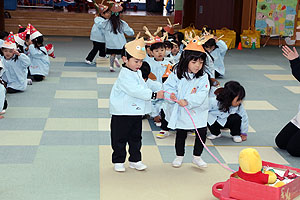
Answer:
(22, 60)
(187, 85)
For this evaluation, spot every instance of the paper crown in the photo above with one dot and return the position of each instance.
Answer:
(170, 28)
(196, 44)
(10, 42)
(50, 50)
(206, 34)
(136, 48)
(102, 8)
(116, 7)
(34, 33)
(154, 39)
(20, 38)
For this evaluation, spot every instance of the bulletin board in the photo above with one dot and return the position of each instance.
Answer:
(276, 14)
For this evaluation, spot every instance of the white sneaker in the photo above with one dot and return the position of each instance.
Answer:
(29, 81)
(111, 69)
(162, 134)
(197, 160)
(89, 62)
(117, 62)
(177, 162)
(192, 134)
(237, 138)
(158, 124)
(137, 165)
(119, 167)
(212, 137)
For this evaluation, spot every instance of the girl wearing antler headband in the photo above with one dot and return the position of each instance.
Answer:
(189, 87)
(97, 35)
(114, 30)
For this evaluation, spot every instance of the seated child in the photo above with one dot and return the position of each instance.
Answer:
(226, 111)
(130, 99)
(15, 65)
(175, 53)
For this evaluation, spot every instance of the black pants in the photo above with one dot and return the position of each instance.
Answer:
(35, 77)
(234, 122)
(11, 90)
(126, 129)
(164, 123)
(289, 139)
(180, 141)
(217, 74)
(97, 46)
(5, 105)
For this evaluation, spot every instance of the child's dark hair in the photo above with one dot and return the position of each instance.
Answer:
(116, 23)
(157, 45)
(210, 43)
(38, 42)
(168, 44)
(225, 96)
(175, 42)
(21, 30)
(185, 58)
(145, 68)
(180, 36)
(125, 53)
(3, 34)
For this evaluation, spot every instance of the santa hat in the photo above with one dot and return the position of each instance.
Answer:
(20, 38)
(10, 43)
(136, 48)
(50, 50)
(34, 33)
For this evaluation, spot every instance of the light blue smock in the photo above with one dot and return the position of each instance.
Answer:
(15, 72)
(40, 62)
(2, 96)
(218, 54)
(195, 92)
(112, 40)
(130, 94)
(156, 105)
(158, 68)
(215, 114)
(97, 33)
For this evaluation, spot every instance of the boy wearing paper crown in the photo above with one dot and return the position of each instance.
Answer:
(130, 99)
(15, 66)
(97, 34)
(37, 53)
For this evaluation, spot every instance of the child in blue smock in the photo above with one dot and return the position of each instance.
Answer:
(40, 63)
(114, 30)
(15, 66)
(130, 99)
(97, 35)
(217, 49)
(189, 85)
(226, 111)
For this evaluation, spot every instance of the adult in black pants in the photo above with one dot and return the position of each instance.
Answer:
(289, 136)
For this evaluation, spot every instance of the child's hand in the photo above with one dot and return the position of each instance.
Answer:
(289, 54)
(16, 52)
(214, 82)
(160, 94)
(173, 97)
(182, 102)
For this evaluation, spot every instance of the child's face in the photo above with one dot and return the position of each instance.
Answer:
(8, 53)
(159, 53)
(210, 49)
(106, 15)
(133, 63)
(195, 66)
(235, 102)
(175, 49)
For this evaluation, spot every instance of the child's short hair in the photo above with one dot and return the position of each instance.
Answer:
(175, 42)
(210, 43)
(145, 68)
(157, 45)
(185, 58)
(168, 44)
(38, 42)
(21, 30)
(125, 53)
(226, 95)
(3, 34)
(180, 36)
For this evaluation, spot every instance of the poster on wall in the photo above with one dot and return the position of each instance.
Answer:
(276, 17)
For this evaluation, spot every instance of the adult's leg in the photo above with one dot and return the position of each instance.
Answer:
(285, 135)
(293, 146)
